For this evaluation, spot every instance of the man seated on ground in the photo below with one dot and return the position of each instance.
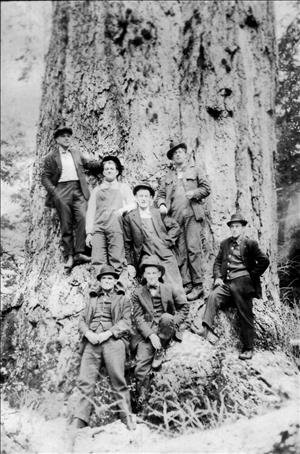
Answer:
(158, 312)
(105, 326)
(237, 270)
(68, 192)
(146, 233)
(107, 203)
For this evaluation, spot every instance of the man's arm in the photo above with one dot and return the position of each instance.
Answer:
(173, 229)
(93, 166)
(138, 314)
(217, 268)
(123, 326)
(46, 175)
(203, 188)
(91, 211)
(128, 240)
(261, 260)
(161, 193)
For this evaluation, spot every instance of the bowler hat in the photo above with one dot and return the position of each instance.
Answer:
(107, 269)
(173, 148)
(237, 217)
(152, 260)
(143, 185)
(115, 160)
(62, 130)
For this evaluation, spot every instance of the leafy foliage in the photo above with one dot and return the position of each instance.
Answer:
(288, 106)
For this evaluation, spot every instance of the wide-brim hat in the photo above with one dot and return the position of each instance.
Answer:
(143, 185)
(174, 148)
(107, 269)
(62, 130)
(152, 260)
(237, 217)
(113, 158)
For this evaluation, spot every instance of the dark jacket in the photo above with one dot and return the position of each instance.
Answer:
(194, 181)
(173, 302)
(168, 231)
(120, 312)
(52, 171)
(256, 262)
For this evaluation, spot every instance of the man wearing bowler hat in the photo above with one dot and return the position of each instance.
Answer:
(158, 312)
(181, 195)
(108, 202)
(105, 326)
(237, 270)
(146, 233)
(64, 179)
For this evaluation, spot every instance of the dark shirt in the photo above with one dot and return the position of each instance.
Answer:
(235, 265)
(180, 205)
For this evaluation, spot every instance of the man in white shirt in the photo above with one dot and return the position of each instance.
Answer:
(68, 192)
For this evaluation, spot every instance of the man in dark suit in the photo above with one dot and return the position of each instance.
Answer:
(237, 270)
(158, 312)
(67, 190)
(182, 195)
(105, 326)
(146, 233)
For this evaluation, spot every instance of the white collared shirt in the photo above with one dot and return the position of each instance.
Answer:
(68, 169)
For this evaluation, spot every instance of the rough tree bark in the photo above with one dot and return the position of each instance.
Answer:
(128, 77)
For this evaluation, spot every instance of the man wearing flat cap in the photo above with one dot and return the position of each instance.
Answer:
(237, 270)
(182, 195)
(158, 312)
(67, 190)
(108, 202)
(105, 326)
(146, 233)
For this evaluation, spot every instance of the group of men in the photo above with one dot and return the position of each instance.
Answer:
(162, 246)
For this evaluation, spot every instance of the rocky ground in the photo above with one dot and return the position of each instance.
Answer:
(271, 431)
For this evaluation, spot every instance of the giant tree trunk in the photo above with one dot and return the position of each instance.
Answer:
(128, 77)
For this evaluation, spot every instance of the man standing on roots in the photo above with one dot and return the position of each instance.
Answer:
(182, 195)
(105, 326)
(146, 233)
(158, 312)
(237, 270)
(68, 192)
(106, 206)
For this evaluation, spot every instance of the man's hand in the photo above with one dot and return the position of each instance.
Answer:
(155, 341)
(131, 271)
(163, 209)
(102, 337)
(189, 194)
(92, 337)
(88, 240)
(218, 282)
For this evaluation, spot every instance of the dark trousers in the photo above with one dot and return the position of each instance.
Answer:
(71, 208)
(108, 248)
(190, 251)
(145, 351)
(113, 353)
(240, 291)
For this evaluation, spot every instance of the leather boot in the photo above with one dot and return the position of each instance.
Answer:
(79, 423)
(129, 421)
(247, 354)
(81, 258)
(69, 263)
(188, 288)
(195, 293)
